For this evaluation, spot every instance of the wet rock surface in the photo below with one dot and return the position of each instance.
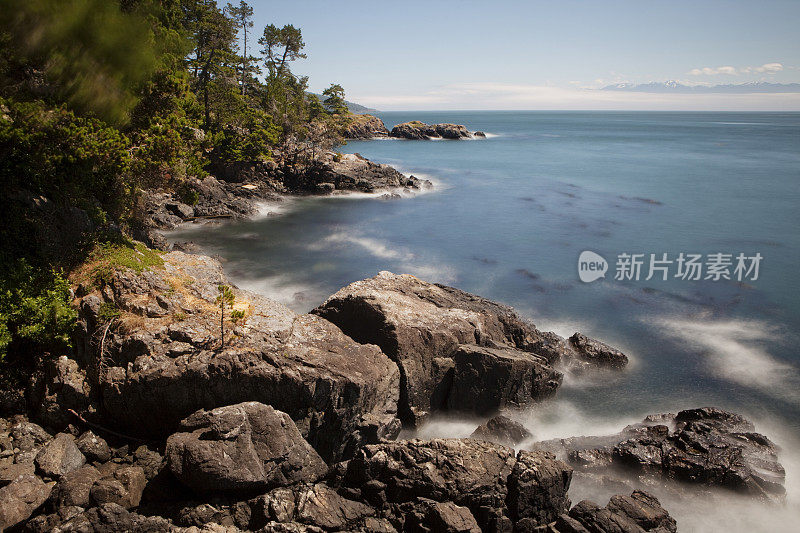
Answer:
(447, 341)
(352, 172)
(597, 353)
(636, 513)
(501, 430)
(706, 447)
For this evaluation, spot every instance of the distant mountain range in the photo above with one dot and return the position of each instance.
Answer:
(676, 87)
(352, 106)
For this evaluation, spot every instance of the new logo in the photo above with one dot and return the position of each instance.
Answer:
(591, 266)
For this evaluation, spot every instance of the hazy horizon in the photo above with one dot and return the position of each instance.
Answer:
(514, 55)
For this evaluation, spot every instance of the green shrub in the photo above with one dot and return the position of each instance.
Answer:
(188, 194)
(70, 159)
(35, 312)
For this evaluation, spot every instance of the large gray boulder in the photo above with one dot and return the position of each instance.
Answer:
(165, 360)
(448, 342)
(502, 430)
(123, 487)
(74, 488)
(638, 513)
(486, 380)
(706, 446)
(497, 486)
(241, 447)
(20, 498)
(60, 456)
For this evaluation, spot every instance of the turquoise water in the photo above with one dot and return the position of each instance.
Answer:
(510, 215)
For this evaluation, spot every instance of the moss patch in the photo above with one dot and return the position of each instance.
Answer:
(106, 258)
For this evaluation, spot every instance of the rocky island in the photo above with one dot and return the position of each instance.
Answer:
(365, 127)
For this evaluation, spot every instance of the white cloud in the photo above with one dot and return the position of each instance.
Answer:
(766, 68)
(708, 71)
(490, 95)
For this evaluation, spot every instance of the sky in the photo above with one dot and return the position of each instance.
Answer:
(508, 54)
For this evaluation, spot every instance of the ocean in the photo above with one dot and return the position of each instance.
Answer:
(509, 217)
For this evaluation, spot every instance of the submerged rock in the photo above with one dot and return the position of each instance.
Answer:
(596, 352)
(450, 345)
(241, 447)
(501, 430)
(164, 361)
(706, 446)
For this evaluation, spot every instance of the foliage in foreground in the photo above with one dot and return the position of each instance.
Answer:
(100, 99)
(35, 312)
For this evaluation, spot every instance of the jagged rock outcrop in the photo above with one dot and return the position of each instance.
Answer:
(163, 359)
(353, 172)
(501, 430)
(416, 130)
(447, 341)
(498, 487)
(247, 446)
(365, 127)
(211, 198)
(59, 387)
(637, 513)
(706, 446)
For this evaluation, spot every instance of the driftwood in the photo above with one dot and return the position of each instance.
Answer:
(106, 430)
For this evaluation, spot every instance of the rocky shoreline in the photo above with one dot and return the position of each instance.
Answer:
(154, 425)
(215, 198)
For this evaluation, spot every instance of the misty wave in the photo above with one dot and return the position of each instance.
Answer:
(734, 351)
(696, 508)
(401, 260)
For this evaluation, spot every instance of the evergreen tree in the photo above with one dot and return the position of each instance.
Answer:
(334, 100)
(242, 15)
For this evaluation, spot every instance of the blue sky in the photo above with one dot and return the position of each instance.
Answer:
(543, 55)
